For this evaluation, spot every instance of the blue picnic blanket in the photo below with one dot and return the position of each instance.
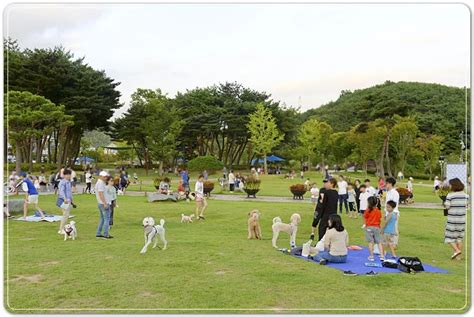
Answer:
(37, 218)
(356, 262)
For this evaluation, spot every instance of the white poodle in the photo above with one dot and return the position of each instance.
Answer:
(290, 228)
(185, 218)
(152, 232)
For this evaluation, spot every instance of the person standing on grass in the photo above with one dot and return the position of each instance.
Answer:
(329, 206)
(393, 195)
(88, 177)
(456, 203)
(111, 198)
(342, 192)
(351, 199)
(336, 241)
(357, 191)
(104, 210)
(388, 229)
(372, 220)
(231, 180)
(410, 185)
(201, 203)
(185, 177)
(31, 195)
(318, 209)
(381, 186)
(64, 200)
(73, 179)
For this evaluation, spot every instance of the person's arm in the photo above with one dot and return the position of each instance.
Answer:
(327, 240)
(387, 220)
(347, 239)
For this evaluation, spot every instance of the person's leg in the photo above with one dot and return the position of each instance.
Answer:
(336, 258)
(324, 255)
(455, 247)
(101, 220)
(340, 200)
(111, 222)
(344, 199)
(25, 209)
(107, 221)
(63, 219)
(322, 229)
(38, 208)
(204, 206)
(198, 207)
(371, 249)
(392, 249)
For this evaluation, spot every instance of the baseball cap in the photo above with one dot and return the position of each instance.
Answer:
(103, 174)
(23, 174)
(325, 180)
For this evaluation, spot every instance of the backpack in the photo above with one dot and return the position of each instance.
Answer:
(410, 264)
(390, 264)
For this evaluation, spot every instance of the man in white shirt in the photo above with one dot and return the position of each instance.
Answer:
(369, 189)
(392, 195)
(342, 192)
(231, 181)
(104, 208)
(363, 198)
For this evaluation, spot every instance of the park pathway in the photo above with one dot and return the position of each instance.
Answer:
(236, 197)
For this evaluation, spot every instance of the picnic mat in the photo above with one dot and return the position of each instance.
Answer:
(37, 218)
(356, 263)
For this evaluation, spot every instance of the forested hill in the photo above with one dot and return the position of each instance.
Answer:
(438, 109)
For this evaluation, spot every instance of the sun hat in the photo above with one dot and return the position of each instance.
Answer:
(103, 174)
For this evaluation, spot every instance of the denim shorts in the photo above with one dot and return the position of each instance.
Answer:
(372, 235)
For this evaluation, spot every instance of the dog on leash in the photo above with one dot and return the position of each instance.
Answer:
(290, 228)
(185, 218)
(70, 231)
(253, 225)
(152, 232)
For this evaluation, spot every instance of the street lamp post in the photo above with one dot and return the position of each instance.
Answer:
(442, 163)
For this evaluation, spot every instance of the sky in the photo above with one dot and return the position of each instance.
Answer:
(304, 55)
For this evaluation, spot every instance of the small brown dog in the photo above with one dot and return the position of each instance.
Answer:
(254, 226)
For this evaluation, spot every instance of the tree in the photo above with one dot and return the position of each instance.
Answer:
(151, 125)
(314, 139)
(403, 139)
(208, 163)
(264, 133)
(431, 146)
(28, 118)
(368, 139)
(96, 139)
(341, 147)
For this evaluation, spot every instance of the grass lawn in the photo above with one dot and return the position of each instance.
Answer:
(211, 265)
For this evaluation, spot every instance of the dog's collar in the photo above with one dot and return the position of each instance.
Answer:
(68, 230)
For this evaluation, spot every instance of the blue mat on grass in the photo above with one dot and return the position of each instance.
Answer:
(37, 218)
(356, 263)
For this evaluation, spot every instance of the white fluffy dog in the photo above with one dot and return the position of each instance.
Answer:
(290, 228)
(152, 232)
(70, 231)
(185, 218)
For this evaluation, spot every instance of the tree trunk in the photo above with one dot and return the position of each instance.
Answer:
(389, 169)
(18, 157)
(382, 156)
(30, 157)
(265, 164)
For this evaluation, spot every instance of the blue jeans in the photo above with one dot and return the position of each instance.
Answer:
(343, 200)
(104, 221)
(330, 258)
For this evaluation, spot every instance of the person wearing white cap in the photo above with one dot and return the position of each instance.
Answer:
(104, 209)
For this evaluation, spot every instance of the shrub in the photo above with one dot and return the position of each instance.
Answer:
(296, 188)
(252, 183)
(208, 163)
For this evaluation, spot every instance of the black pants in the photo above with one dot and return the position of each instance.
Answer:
(231, 187)
(323, 225)
(352, 206)
(112, 206)
(88, 188)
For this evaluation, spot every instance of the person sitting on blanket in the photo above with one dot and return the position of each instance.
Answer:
(336, 241)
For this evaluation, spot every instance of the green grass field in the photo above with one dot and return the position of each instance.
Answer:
(210, 266)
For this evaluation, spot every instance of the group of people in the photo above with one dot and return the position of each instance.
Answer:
(381, 230)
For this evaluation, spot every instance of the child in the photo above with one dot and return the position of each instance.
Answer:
(351, 199)
(314, 194)
(372, 217)
(388, 229)
(368, 188)
(363, 196)
(111, 198)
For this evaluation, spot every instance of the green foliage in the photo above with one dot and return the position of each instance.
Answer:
(403, 139)
(96, 139)
(208, 163)
(437, 109)
(252, 183)
(340, 146)
(264, 133)
(314, 139)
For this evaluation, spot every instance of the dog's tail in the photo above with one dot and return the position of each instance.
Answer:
(276, 219)
(162, 222)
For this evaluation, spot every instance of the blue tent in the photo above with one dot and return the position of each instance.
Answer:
(270, 159)
(84, 159)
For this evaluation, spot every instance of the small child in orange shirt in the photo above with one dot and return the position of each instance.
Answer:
(372, 220)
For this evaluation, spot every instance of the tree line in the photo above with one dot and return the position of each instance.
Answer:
(51, 98)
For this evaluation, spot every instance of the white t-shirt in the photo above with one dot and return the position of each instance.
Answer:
(88, 177)
(363, 197)
(410, 186)
(392, 195)
(342, 187)
(314, 192)
(371, 191)
(199, 189)
(99, 187)
(231, 178)
(436, 183)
